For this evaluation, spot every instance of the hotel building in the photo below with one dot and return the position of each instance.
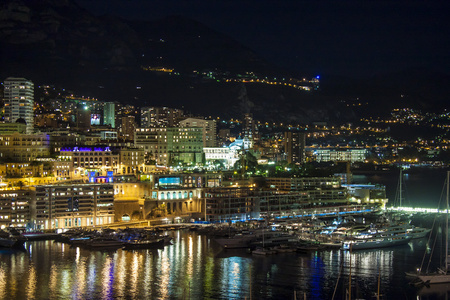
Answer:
(67, 205)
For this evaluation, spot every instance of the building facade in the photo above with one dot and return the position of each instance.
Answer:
(131, 160)
(16, 207)
(19, 101)
(209, 129)
(24, 147)
(109, 114)
(173, 145)
(66, 205)
(160, 117)
(350, 155)
(294, 147)
(128, 127)
(88, 160)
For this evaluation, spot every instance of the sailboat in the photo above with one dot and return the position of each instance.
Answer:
(263, 250)
(443, 275)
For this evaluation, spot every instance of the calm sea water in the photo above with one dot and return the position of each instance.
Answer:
(195, 267)
(421, 187)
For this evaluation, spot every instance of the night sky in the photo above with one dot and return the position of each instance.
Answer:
(349, 38)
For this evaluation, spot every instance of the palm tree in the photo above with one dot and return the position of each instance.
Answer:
(246, 163)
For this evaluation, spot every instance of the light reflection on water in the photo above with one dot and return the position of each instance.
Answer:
(2, 283)
(31, 287)
(196, 268)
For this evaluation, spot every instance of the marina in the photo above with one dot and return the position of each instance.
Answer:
(305, 256)
(194, 264)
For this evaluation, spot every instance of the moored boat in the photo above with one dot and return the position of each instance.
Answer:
(104, 242)
(39, 235)
(9, 241)
(264, 251)
(144, 244)
(386, 236)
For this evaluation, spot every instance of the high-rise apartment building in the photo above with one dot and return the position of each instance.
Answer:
(19, 101)
(208, 126)
(109, 114)
(160, 117)
(83, 117)
(169, 145)
(128, 127)
(250, 128)
(294, 147)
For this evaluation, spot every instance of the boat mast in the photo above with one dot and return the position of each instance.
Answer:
(400, 181)
(446, 225)
(350, 276)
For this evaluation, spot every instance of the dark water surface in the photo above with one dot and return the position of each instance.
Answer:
(421, 187)
(195, 267)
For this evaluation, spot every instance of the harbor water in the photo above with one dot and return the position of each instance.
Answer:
(195, 267)
(421, 187)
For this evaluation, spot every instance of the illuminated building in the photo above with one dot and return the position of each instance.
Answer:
(15, 207)
(108, 135)
(224, 154)
(8, 128)
(160, 117)
(208, 126)
(22, 169)
(24, 147)
(284, 197)
(294, 147)
(65, 138)
(229, 154)
(147, 139)
(367, 194)
(128, 128)
(351, 155)
(172, 196)
(85, 160)
(68, 205)
(182, 194)
(19, 101)
(250, 128)
(171, 145)
(131, 160)
(129, 198)
(109, 114)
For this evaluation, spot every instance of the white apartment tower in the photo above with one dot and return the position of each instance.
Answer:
(19, 101)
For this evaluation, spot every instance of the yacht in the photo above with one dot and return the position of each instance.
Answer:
(105, 242)
(143, 243)
(256, 238)
(9, 241)
(388, 236)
